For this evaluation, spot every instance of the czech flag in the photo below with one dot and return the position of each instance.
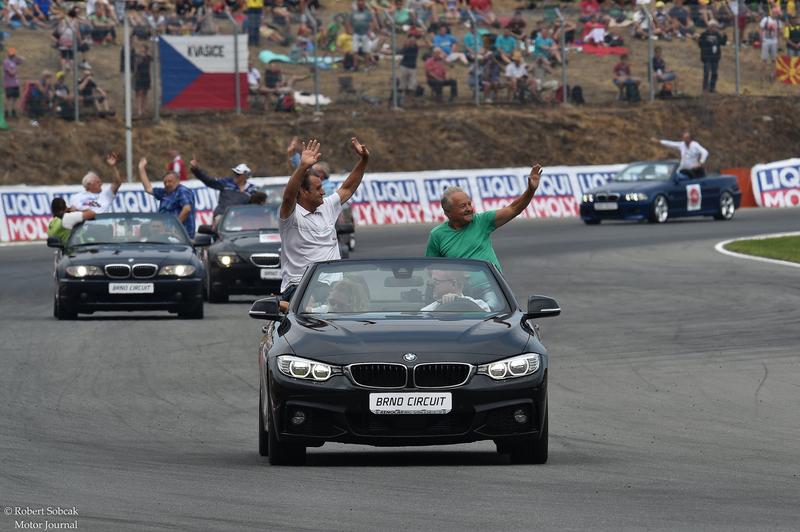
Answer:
(199, 72)
(788, 69)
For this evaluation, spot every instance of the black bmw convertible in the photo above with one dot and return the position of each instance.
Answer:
(397, 352)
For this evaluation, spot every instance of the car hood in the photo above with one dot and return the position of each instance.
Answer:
(159, 254)
(628, 186)
(250, 242)
(348, 340)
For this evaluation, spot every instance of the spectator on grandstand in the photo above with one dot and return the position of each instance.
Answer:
(595, 31)
(205, 23)
(94, 196)
(403, 18)
(568, 29)
(661, 74)
(234, 190)
(680, 19)
(142, 61)
(65, 32)
(436, 76)
(517, 24)
(492, 80)
(92, 95)
(253, 78)
(711, 42)
(693, 155)
(276, 82)
(40, 96)
(482, 9)
(662, 22)
(545, 46)
(19, 13)
(10, 81)
(363, 23)
(505, 45)
(471, 48)
(792, 36)
(516, 74)
(255, 10)
(64, 219)
(177, 165)
(63, 102)
(590, 10)
(41, 12)
(539, 73)
(173, 198)
(103, 26)
(443, 39)
(407, 70)
(623, 77)
(770, 28)
(456, 55)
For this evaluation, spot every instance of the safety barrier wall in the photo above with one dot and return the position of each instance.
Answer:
(777, 184)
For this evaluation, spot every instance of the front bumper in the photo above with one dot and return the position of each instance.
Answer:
(89, 295)
(244, 278)
(338, 411)
(626, 210)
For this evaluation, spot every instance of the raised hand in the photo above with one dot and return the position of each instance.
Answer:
(193, 162)
(294, 144)
(142, 163)
(310, 154)
(360, 149)
(535, 176)
(112, 158)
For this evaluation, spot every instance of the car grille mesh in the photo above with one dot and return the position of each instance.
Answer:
(379, 375)
(441, 375)
(606, 196)
(144, 271)
(118, 271)
(266, 260)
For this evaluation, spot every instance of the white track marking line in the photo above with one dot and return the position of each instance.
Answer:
(720, 246)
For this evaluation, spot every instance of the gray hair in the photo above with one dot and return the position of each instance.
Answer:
(88, 178)
(449, 191)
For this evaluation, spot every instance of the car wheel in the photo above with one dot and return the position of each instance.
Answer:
(263, 443)
(216, 293)
(727, 207)
(659, 210)
(592, 221)
(192, 313)
(532, 450)
(281, 453)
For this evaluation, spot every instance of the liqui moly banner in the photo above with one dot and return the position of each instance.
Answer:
(199, 72)
(385, 198)
(777, 184)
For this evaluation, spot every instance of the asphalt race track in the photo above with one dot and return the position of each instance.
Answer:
(674, 398)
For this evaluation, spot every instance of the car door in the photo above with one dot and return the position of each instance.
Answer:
(676, 194)
(711, 188)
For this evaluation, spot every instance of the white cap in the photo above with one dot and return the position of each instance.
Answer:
(242, 169)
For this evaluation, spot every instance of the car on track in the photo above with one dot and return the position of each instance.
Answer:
(397, 352)
(656, 191)
(126, 262)
(245, 255)
(345, 223)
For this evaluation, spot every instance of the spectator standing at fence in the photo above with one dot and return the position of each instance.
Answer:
(436, 75)
(173, 198)
(362, 22)
(792, 37)
(693, 155)
(769, 29)
(94, 196)
(10, 81)
(142, 62)
(407, 71)
(234, 190)
(255, 10)
(711, 42)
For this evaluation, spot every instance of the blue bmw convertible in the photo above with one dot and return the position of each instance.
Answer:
(656, 191)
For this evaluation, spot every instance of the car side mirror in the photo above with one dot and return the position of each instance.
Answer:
(54, 242)
(268, 308)
(205, 229)
(202, 240)
(542, 307)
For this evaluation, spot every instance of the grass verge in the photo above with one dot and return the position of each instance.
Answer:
(781, 248)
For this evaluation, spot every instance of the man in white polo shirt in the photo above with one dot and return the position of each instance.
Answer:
(308, 217)
(693, 155)
(94, 196)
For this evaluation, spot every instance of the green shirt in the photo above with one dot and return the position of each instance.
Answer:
(472, 241)
(56, 228)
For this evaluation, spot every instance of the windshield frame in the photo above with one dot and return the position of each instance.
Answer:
(128, 216)
(511, 303)
(244, 208)
(642, 164)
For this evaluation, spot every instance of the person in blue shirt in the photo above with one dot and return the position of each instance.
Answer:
(505, 45)
(173, 198)
(234, 190)
(444, 40)
(545, 46)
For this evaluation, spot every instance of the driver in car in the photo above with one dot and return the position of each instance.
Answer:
(158, 231)
(448, 288)
(347, 295)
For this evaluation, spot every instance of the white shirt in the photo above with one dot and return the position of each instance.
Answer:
(480, 302)
(253, 78)
(308, 237)
(771, 28)
(98, 202)
(515, 71)
(71, 219)
(692, 156)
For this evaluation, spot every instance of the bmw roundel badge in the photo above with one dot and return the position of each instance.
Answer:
(409, 357)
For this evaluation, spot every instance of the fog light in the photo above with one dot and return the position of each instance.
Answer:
(298, 418)
(520, 416)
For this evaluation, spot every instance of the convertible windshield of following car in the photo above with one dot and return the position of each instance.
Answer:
(403, 352)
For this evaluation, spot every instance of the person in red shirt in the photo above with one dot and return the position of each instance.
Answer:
(177, 165)
(622, 75)
(436, 74)
(483, 11)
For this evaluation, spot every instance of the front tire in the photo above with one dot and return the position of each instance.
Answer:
(592, 221)
(281, 453)
(215, 292)
(61, 312)
(659, 210)
(263, 441)
(727, 207)
(533, 450)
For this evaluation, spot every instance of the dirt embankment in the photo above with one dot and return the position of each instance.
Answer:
(737, 132)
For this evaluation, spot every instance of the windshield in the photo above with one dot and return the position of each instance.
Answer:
(250, 218)
(127, 228)
(384, 286)
(646, 172)
(274, 194)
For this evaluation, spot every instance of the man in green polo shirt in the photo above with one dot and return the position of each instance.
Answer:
(62, 223)
(467, 235)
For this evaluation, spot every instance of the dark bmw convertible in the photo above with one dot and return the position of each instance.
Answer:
(402, 352)
(128, 262)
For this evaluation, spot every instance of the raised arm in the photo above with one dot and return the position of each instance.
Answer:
(350, 185)
(669, 143)
(308, 157)
(207, 180)
(148, 187)
(116, 179)
(513, 209)
(292, 157)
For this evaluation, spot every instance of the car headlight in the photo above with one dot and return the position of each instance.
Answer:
(636, 196)
(511, 368)
(84, 271)
(225, 260)
(587, 198)
(301, 368)
(178, 270)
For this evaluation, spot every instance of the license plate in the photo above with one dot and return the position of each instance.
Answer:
(131, 288)
(267, 273)
(605, 206)
(410, 403)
